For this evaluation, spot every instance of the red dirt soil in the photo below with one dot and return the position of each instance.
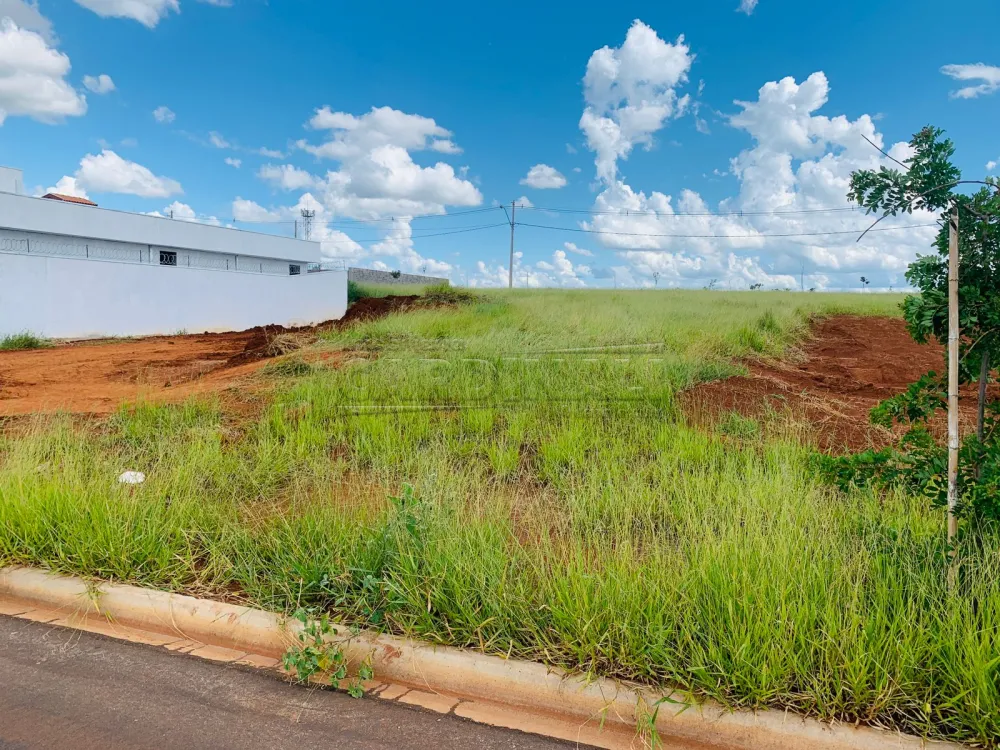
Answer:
(848, 366)
(95, 377)
(370, 308)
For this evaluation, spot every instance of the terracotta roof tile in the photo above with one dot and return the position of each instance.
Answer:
(69, 199)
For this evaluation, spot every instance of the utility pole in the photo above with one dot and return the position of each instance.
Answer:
(296, 229)
(953, 437)
(510, 278)
(802, 277)
(307, 222)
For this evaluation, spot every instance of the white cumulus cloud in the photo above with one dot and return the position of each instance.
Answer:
(398, 244)
(377, 176)
(216, 139)
(68, 186)
(234, 162)
(33, 78)
(183, 212)
(248, 210)
(559, 272)
(147, 12)
(374, 178)
(572, 248)
(747, 6)
(287, 177)
(988, 75)
(544, 177)
(107, 172)
(445, 146)
(562, 272)
(164, 115)
(101, 84)
(799, 160)
(630, 93)
(26, 14)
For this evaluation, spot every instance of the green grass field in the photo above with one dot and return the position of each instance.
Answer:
(562, 509)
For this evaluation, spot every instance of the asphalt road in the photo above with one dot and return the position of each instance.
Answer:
(63, 688)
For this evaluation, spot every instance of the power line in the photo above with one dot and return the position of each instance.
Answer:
(390, 232)
(721, 236)
(348, 221)
(404, 217)
(661, 215)
(422, 236)
(345, 220)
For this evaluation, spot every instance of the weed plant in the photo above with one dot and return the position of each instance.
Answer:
(20, 341)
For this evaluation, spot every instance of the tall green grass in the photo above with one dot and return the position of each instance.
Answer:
(21, 341)
(562, 510)
(357, 290)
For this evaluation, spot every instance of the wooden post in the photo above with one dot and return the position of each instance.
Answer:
(510, 278)
(984, 375)
(953, 437)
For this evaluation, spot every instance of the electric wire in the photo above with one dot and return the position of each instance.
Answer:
(721, 236)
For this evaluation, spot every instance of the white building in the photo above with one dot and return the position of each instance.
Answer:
(70, 270)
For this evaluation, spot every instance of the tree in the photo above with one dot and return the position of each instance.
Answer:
(865, 282)
(928, 180)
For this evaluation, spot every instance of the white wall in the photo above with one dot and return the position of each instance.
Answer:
(11, 180)
(19, 212)
(77, 298)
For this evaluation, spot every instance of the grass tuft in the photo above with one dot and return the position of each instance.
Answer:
(21, 341)
(447, 294)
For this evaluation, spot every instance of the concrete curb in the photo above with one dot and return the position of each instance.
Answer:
(482, 688)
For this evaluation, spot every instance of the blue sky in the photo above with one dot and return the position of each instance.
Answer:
(650, 129)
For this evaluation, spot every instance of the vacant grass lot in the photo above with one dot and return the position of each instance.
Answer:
(561, 509)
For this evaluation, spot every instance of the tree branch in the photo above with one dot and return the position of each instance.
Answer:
(921, 195)
(885, 154)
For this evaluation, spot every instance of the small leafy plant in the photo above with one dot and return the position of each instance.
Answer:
(292, 367)
(736, 425)
(445, 293)
(21, 341)
(317, 653)
(919, 462)
(355, 292)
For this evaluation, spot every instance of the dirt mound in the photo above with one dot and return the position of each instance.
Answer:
(265, 342)
(848, 366)
(370, 308)
(96, 376)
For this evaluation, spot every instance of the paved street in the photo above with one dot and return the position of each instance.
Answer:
(69, 689)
